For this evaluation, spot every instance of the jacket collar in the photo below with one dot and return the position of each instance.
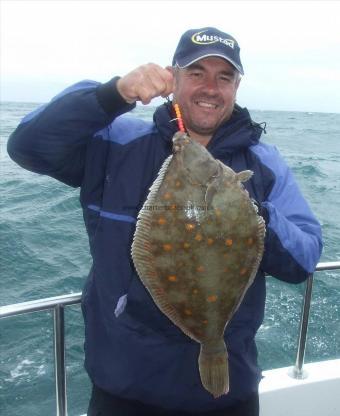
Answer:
(237, 133)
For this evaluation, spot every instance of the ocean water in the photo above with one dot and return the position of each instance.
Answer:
(44, 252)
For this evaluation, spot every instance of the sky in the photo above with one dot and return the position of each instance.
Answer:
(290, 50)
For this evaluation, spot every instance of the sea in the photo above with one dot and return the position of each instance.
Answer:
(44, 252)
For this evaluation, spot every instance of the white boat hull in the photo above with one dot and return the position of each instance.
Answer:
(317, 394)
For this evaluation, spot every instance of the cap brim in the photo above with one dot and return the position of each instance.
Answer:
(190, 60)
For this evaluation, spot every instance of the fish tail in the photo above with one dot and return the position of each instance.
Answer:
(213, 368)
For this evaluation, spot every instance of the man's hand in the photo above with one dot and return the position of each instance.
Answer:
(145, 83)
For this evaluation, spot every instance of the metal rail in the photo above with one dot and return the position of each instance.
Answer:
(297, 371)
(57, 305)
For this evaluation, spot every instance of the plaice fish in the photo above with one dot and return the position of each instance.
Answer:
(197, 247)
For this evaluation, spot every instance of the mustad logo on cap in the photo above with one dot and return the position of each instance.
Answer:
(201, 38)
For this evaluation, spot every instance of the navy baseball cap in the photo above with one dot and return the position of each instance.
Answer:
(196, 44)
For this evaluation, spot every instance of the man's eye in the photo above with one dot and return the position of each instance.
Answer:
(196, 74)
(225, 78)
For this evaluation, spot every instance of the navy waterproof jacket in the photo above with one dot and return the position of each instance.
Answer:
(84, 139)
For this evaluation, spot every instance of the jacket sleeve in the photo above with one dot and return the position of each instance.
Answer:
(293, 242)
(52, 140)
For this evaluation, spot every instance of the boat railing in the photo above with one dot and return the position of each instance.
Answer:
(57, 305)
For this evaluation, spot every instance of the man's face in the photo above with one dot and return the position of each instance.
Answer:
(206, 92)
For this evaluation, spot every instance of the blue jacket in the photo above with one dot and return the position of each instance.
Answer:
(132, 350)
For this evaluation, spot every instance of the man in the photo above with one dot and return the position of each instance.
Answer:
(139, 362)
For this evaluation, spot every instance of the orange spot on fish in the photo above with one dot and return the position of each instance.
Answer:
(210, 241)
(189, 227)
(205, 321)
(198, 237)
(228, 242)
(212, 298)
(218, 212)
(167, 196)
(167, 247)
(243, 271)
(188, 312)
(195, 291)
(172, 278)
(200, 269)
(250, 241)
(178, 184)
(225, 269)
(186, 245)
(173, 207)
(162, 221)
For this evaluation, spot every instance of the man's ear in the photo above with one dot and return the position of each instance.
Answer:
(238, 82)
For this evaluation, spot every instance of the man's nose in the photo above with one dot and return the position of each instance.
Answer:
(211, 85)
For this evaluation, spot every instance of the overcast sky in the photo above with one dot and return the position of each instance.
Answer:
(290, 50)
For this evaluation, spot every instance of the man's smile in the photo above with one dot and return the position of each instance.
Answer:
(205, 104)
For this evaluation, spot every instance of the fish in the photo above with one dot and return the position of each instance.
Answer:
(197, 246)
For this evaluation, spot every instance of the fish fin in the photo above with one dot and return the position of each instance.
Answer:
(213, 186)
(244, 175)
(141, 256)
(213, 368)
(158, 181)
(209, 194)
